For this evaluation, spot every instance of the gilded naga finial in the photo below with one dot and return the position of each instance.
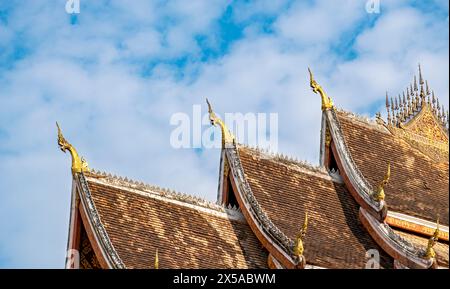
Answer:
(78, 164)
(430, 253)
(298, 246)
(327, 103)
(156, 260)
(227, 137)
(379, 194)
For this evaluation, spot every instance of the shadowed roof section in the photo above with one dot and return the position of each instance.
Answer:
(418, 185)
(139, 222)
(286, 190)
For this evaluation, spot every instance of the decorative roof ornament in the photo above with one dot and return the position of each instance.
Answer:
(298, 246)
(421, 82)
(416, 89)
(79, 165)
(420, 119)
(156, 260)
(430, 253)
(228, 138)
(379, 194)
(388, 105)
(327, 103)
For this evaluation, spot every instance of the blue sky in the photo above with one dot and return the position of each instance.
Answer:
(115, 73)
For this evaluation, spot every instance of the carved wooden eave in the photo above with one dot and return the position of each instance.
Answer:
(271, 237)
(83, 210)
(361, 190)
(400, 249)
(373, 215)
(273, 263)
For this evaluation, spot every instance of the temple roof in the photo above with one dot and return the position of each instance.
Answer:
(441, 248)
(187, 232)
(418, 184)
(287, 189)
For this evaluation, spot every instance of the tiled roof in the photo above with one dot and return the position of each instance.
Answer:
(140, 220)
(287, 189)
(418, 185)
(441, 248)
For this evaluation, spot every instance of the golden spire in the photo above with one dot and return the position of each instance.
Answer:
(379, 194)
(156, 260)
(227, 137)
(298, 246)
(387, 109)
(429, 253)
(327, 103)
(78, 164)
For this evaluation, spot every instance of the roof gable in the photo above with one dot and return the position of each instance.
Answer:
(185, 235)
(418, 185)
(286, 190)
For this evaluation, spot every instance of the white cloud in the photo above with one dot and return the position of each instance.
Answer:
(88, 77)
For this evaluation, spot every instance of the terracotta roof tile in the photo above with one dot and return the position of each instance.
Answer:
(185, 236)
(285, 190)
(418, 185)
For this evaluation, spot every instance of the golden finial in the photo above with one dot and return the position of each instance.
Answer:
(156, 260)
(227, 137)
(379, 194)
(327, 103)
(78, 164)
(298, 246)
(430, 253)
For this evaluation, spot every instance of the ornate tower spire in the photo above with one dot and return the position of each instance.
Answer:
(409, 104)
(389, 119)
(433, 101)
(420, 76)
(415, 84)
(228, 138)
(78, 164)
(327, 103)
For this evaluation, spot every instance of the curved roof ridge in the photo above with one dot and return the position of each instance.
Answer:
(162, 192)
(363, 120)
(295, 163)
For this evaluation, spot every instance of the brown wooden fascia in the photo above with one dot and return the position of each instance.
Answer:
(73, 241)
(102, 245)
(277, 252)
(93, 240)
(394, 245)
(348, 168)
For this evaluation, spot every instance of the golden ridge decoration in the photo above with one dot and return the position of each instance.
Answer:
(430, 253)
(156, 260)
(298, 246)
(78, 164)
(420, 120)
(403, 110)
(379, 194)
(227, 137)
(327, 103)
